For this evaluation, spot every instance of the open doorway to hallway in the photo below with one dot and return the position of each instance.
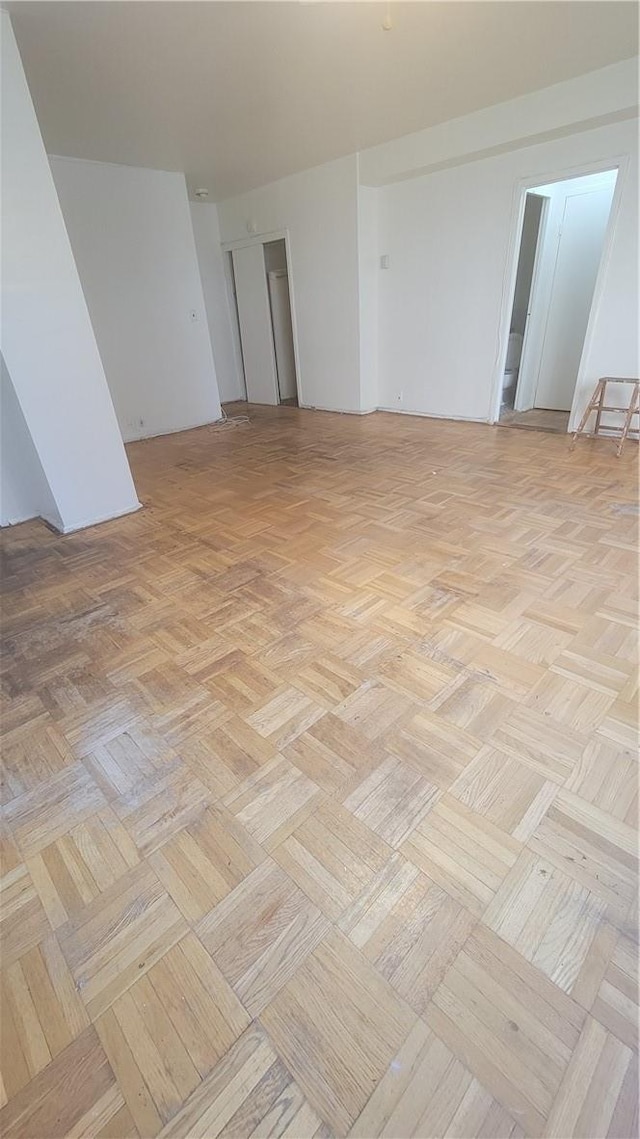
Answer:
(563, 234)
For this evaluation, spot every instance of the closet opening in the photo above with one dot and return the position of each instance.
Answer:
(261, 279)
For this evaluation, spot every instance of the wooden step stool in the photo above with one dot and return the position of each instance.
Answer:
(597, 404)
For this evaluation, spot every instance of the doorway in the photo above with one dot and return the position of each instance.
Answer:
(261, 277)
(563, 234)
(275, 261)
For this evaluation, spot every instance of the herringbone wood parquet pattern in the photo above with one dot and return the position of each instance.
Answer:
(320, 791)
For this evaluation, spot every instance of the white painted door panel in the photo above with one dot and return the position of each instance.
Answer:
(254, 316)
(283, 334)
(532, 333)
(579, 250)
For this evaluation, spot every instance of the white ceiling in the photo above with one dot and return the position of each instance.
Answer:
(239, 94)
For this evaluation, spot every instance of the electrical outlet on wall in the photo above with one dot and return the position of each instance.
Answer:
(399, 397)
(193, 315)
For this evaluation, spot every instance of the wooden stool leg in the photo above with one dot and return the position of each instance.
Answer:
(627, 420)
(601, 403)
(596, 398)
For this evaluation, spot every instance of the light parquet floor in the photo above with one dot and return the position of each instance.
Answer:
(320, 791)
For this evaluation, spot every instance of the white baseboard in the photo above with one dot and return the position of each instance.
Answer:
(337, 410)
(75, 526)
(169, 431)
(17, 521)
(432, 415)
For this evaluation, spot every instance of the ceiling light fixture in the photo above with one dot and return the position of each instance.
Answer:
(202, 193)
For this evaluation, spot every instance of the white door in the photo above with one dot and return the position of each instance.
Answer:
(583, 227)
(283, 333)
(528, 373)
(254, 317)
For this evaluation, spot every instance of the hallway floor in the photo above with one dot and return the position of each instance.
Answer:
(537, 419)
(320, 790)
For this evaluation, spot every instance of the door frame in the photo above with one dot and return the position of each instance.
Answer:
(618, 162)
(264, 239)
(234, 317)
(526, 368)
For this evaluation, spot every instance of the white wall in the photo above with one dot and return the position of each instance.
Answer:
(444, 302)
(47, 340)
(204, 216)
(319, 210)
(24, 491)
(132, 238)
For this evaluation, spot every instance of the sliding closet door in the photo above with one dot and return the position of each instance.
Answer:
(254, 316)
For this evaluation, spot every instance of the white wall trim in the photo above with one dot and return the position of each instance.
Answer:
(10, 521)
(173, 430)
(126, 165)
(506, 147)
(339, 410)
(432, 415)
(254, 239)
(595, 99)
(73, 527)
(292, 306)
